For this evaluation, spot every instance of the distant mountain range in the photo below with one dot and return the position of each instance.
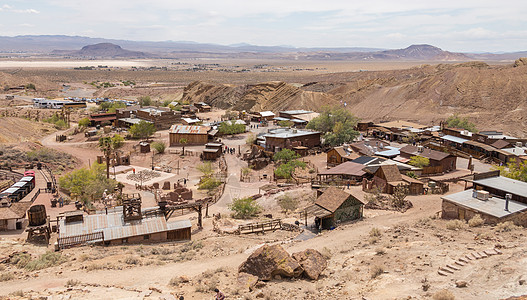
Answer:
(61, 45)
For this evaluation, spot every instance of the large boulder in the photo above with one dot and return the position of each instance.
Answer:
(268, 261)
(312, 261)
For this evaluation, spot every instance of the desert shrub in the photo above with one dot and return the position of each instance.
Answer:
(419, 161)
(376, 271)
(326, 252)
(145, 101)
(288, 203)
(376, 232)
(251, 139)
(244, 208)
(455, 224)
(476, 221)
(380, 251)
(130, 260)
(6, 276)
(191, 246)
(20, 259)
(443, 295)
(159, 146)
(506, 227)
(72, 282)
(117, 141)
(19, 293)
(208, 183)
(84, 122)
(46, 260)
(30, 86)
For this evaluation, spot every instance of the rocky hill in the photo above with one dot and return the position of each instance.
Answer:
(273, 95)
(494, 97)
(102, 50)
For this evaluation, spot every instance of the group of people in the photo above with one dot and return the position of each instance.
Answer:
(229, 150)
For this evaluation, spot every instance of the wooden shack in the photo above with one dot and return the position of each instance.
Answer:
(388, 178)
(212, 151)
(193, 135)
(335, 206)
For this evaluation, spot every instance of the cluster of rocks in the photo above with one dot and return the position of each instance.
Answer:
(143, 175)
(273, 262)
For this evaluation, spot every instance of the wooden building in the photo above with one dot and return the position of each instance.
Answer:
(492, 209)
(194, 135)
(103, 119)
(335, 206)
(500, 186)
(287, 138)
(161, 117)
(440, 162)
(12, 215)
(212, 151)
(337, 155)
(345, 173)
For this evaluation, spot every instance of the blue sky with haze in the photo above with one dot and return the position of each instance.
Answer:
(452, 25)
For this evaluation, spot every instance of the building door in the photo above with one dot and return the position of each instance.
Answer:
(461, 214)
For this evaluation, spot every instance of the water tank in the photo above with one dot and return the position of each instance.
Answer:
(37, 215)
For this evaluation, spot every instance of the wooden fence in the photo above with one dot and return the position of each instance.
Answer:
(260, 227)
(70, 241)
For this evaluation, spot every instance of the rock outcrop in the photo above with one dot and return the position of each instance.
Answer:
(313, 262)
(247, 281)
(268, 261)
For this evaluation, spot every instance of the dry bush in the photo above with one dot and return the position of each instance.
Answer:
(376, 271)
(46, 260)
(6, 277)
(19, 293)
(373, 240)
(326, 252)
(506, 226)
(72, 282)
(380, 251)
(423, 222)
(376, 232)
(476, 221)
(443, 295)
(130, 260)
(455, 224)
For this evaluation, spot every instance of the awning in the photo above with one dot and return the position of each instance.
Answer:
(454, 139)
(317, 211)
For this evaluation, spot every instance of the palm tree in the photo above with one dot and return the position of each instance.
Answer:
(183, 141)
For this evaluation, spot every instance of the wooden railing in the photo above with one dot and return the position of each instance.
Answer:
(70, 241)
(258, 227)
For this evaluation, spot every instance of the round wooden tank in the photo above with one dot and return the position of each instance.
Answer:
(37, 215)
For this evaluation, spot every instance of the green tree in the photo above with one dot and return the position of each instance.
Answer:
(142, 130)
(337, 124)
(513, 169)
(159, 146)
(117, 141)
(145, 101)
(419, 161)
(84, 122)
(285, 156)
(206, 168)
(87, 183)
(285, 123)
(30, 86)
(244, 208)
(229, 127)
(286, 170)
(455, 121)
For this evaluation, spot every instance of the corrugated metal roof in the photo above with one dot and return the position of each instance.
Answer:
(174, 225)
(347, 168)
(454, 139)
(266, 113)
(192, 129)
(113, 226)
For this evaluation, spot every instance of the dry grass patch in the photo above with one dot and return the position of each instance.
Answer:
(376, 271)
(443, 295)
(6, 277)
(476, 221)
(455, 224)
(506, 227)
(72, 282)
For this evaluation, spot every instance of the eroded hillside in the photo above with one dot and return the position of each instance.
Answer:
(494, 97)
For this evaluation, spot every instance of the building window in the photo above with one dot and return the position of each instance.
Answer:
(146, 237)
(125, 241)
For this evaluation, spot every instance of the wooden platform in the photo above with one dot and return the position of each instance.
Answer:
(260, 227)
